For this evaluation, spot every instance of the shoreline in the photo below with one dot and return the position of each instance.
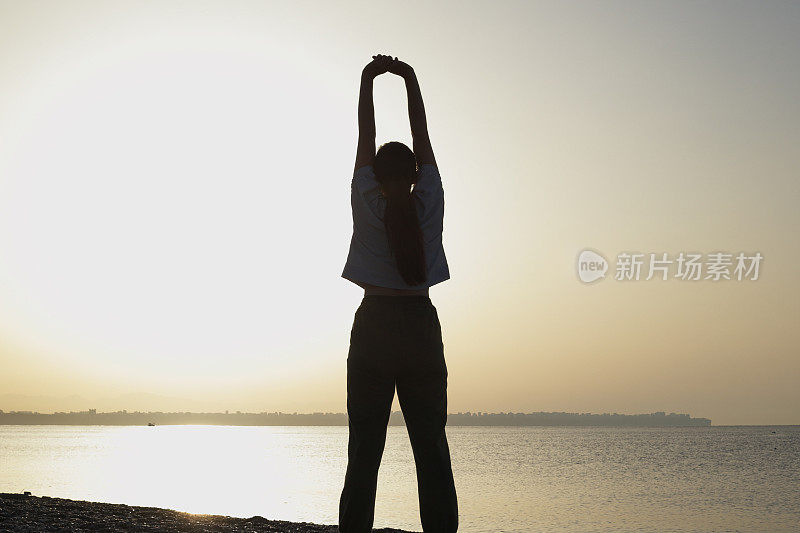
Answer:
(20, 512)
(461, 419)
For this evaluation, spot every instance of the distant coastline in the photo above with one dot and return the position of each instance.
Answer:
(140, 418)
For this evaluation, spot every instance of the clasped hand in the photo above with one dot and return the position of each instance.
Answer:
(383, 63)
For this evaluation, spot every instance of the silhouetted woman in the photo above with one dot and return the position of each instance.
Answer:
(395, 254)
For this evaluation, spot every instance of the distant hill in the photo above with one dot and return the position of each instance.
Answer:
(138, 418)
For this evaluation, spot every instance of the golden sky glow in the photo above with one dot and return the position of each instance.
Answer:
(175, 181)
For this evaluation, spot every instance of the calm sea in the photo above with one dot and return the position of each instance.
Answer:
(508, 479)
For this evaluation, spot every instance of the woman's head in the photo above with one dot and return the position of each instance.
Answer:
(396, 170)
(395, 164)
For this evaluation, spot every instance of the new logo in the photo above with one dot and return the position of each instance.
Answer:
(591, 266)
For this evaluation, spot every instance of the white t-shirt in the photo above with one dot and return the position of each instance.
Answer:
(369, 259)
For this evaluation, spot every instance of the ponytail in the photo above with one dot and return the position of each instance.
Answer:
(395, 168)
(404, 233)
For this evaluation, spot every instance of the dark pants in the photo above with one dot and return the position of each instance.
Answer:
(397, 341)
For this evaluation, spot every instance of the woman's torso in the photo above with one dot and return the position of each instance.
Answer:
(370, 263)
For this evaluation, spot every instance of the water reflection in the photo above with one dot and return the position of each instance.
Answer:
(511, 479)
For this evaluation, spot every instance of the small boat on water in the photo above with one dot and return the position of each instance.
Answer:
(150, 424)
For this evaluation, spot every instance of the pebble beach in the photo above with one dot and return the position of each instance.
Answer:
(28, 513)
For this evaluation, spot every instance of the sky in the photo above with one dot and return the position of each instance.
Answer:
(175, 201)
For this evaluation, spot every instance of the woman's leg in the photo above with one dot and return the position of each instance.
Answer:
(422, 391)
(370, 391)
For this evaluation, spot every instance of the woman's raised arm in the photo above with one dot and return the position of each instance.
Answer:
(365, 153)
(416, 113)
